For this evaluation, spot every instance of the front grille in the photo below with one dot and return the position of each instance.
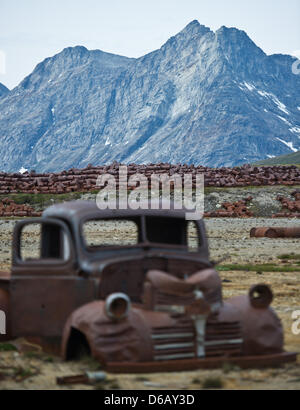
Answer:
(171, 343)
(183, 342)
(223, 339)
(169, 299)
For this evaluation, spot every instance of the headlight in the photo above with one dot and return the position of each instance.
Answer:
(117, 306)
(260, 296)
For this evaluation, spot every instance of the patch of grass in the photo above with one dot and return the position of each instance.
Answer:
(288, 159)
(90, 363)
(258, 268)
(39, 355)
(212, 189)
(7, 347)
(112, 384)
(213, 383)
(33, 355)
(229, 367)
(209, 190)
(22, 373)
(100, 386)
(48, 359)
(41, 199)
(289, 256)
(141, 379)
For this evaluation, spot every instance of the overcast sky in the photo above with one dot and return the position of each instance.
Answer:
(31, 30)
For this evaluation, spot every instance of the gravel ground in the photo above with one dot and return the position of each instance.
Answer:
(232, 237)
(226, 236)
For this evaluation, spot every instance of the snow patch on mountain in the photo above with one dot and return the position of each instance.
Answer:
(250, 87)
(283, 119)
(288, 144)
(276, 101)
(22, 170)
(295, 130)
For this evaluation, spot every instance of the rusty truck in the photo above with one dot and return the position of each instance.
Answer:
(147, 300)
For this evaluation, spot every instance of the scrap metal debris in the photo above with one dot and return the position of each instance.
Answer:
(290, 208)
(86, 378)
(9, 208)
(232, 210)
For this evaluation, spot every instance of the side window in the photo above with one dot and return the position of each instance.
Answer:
(30, 242)
(110, 232)
(165, 230)
(192, 237)
(173, 231)
(39, 241)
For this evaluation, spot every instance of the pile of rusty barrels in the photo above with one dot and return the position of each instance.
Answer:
(85, 179)
(292, 208)
(8, 208)
(273, 232)
(232, 210)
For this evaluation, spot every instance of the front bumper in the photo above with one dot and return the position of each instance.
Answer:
(244, 362)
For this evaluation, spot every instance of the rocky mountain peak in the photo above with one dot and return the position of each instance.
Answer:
(194, 28)
(3, 90)
(206, 98)
(192, 33)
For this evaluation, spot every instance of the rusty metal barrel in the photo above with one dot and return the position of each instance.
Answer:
(258, 232)
(275, 232)
(287, 232)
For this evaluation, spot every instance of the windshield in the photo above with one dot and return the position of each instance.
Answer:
(110, 232)
(172, 232)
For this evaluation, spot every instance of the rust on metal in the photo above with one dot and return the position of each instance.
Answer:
(275, 232)
(86, 378)
(243, 362)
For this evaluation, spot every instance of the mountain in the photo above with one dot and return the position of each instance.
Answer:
(290, 159)
(210, 98)
(3, 90)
